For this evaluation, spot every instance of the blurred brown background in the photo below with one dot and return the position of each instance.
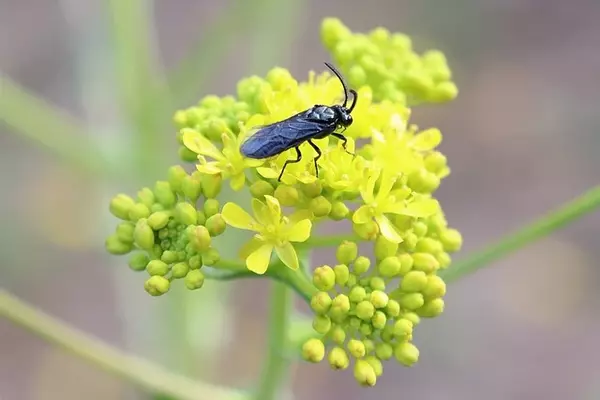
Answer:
(522, 137)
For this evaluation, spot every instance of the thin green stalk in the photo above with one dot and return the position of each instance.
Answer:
(276, 365)
(50, 128)
(571, 211)
(135, 370)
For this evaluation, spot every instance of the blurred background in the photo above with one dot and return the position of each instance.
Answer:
(522, 137)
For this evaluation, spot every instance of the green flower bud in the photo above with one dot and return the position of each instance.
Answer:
(403, 329)
(425, 262)
(355, 322)
(361, 265)
(365, 310)
(186, 154)
(215, 225)
(321, 324)
(356, 348)
(138, 211)
(414, 281)
(419, 228)
(364, 373)
(366, 329)
(312, 190)
(324, 278)
(428, 245)
(366, 231)
(115, 246)
(451, 240)
(393, 308)
(369, 345)
(176, 176)
(185, 213)
(422, 181)
(357, 294)
(412, 301)
(191, 187)
(125, 231)
(200, 217)
(387, 334)
(389, 267)
(443, 259)
(195, 262)
(435, 287)
(194, 279)
(138, 261)
(338, 334)
(342, 273)
(156, 207)
(339, 211)
(143, 235)
(169, 257)
(320, 302)
(384, 351)
(120, 206)
(287, 195)
(412, 317)
(377, 283)
(444, 92)
(340, 306)
(199, 237)
(357, 76)
(435, 161)
(180, 270)
(338, 359)
(320, 206)
(211, 257)
(156, 252)
(431, 308)
(406, 353)
(259, 189)
(313, 350)
(347, 252)
(410, 242)
(384, 248)
(211, 207)
(379, 299)
(376, 364)
(157, 267)
(164, 194)
(146, 196)
(157, 285)
(211, 185)
(379, 320)
(158, 220)
(352, 281)
(406, 263)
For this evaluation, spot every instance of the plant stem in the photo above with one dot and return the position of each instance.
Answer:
(575, 209)
(138, 371)
(275, 366)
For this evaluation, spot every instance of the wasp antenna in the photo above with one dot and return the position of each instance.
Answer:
(354, 99)
(335, 71)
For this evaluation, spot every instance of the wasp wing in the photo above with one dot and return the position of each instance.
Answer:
(276, 138)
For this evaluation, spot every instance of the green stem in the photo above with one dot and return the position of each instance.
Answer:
(140, 372)
(327, 241)
(577, 208)
(275, 367)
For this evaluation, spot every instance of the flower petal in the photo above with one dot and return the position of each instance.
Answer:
(366, 191)
(300, 231)
(210, 168)
(261, 212)
(237, 181)
(388, 230)
(267, 172)
(301, 214)
(274, 208)
(199, 144)
(362, 215)
(387, 181)
(250, 247)
(258, 261)
(427, 140)
(287, 255)
(422, 208)
(237, 217)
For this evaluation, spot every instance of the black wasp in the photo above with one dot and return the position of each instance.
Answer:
(317, 122)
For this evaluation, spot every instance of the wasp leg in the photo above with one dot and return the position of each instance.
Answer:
(290, 162)
(319, 154)
(344, 141)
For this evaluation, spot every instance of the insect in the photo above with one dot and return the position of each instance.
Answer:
(317, 122)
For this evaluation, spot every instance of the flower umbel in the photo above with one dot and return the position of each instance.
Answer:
(365, 310)
(274, 232)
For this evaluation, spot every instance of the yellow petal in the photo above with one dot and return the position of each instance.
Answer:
(422, 208)
(274, 207)
(362, 215)
(366, 191)
(199, 144)
(261, 212)
(210, 168)
(427, 140)
(237, 181)
(250, 247)
(258, 261)
(268, 173)
(235, 216)
(300, 231)
(387, 181)
(387, 229)
(299, 215)
(287, 255)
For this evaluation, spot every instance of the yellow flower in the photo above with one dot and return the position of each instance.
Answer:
(274, 232)
(228, 161)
